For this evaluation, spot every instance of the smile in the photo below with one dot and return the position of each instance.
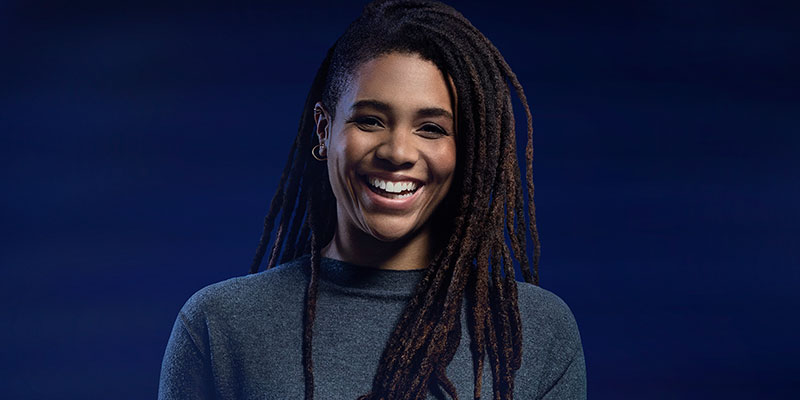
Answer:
(391, 189)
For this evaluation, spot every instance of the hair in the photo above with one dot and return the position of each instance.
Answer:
(490, 216)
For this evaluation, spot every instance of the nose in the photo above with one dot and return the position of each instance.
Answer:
(398, 148)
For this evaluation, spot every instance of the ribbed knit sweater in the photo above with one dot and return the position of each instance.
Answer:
(242, 338)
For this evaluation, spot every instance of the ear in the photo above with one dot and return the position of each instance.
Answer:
(324, 121)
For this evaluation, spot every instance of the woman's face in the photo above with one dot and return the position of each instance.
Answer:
(391, 148)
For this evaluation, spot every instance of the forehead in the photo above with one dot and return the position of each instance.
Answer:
(405, 81)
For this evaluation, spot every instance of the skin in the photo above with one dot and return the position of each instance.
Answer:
(396, 121)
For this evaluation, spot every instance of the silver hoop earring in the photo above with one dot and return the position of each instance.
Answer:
(318, 149)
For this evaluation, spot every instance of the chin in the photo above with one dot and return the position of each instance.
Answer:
(386, 233)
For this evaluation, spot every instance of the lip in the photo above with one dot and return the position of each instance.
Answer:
(388, 176)
(386, 203)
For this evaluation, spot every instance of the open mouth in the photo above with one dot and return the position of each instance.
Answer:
(390, 189)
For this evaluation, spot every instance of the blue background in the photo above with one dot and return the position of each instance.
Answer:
(142, 141)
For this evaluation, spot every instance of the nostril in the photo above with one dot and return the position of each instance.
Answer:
(396, 152)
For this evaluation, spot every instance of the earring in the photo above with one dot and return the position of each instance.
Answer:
(319, 149)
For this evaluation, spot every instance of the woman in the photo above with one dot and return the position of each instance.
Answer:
(390, 275)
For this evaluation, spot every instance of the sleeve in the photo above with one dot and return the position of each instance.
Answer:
(570, 371)
(571, 385)
(186, 368)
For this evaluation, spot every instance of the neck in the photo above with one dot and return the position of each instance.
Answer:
(351, 245)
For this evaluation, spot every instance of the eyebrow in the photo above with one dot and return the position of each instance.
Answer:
(428, 112)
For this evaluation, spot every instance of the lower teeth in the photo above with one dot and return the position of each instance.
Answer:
(392, 195)
(399, 196)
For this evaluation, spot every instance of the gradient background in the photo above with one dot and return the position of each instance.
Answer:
(141, 144)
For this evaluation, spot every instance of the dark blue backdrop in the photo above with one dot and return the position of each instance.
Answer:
(141, 144)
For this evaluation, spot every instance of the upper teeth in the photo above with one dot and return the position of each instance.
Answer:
(392, 187)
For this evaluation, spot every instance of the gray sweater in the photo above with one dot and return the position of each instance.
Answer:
(241, 338)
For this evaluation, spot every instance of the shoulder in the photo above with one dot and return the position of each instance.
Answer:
(553, 353)
(245, 293)
(548, 317)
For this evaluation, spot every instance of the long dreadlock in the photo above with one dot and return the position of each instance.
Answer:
(486, 205)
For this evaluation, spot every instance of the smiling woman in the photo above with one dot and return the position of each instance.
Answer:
(391, 160)
(400, 218)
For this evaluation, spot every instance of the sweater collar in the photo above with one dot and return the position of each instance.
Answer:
(363, 278)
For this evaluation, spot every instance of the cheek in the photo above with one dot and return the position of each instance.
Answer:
(443, 161)
(338, 165)
(347, 153)
(352, 150)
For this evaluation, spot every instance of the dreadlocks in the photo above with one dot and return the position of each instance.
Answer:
(486, 205)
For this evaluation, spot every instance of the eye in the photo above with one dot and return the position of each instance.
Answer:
(367, 123)
(432, 131)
